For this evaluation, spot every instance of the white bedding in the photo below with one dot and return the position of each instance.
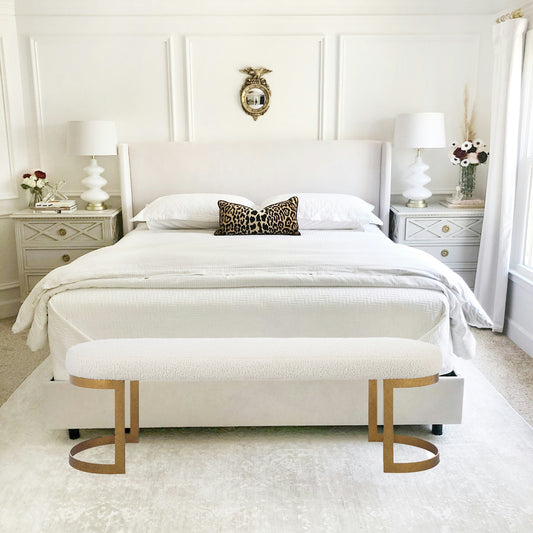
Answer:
(194, 260)
(88, 314)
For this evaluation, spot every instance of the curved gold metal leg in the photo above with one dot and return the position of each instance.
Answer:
(120, 438)
(388, 437)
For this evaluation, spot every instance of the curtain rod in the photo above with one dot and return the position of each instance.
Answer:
(516, 14)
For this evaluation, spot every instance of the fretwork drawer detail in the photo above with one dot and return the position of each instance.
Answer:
(47, 241)
(450, 235)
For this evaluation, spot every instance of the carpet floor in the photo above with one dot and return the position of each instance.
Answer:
(270, 479)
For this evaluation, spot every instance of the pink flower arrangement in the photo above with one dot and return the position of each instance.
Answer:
(469, 153)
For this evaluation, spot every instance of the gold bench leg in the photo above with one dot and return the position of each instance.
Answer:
(388, 437)
(120, 438)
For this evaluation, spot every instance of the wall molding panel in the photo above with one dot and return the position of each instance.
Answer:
(9, 190)
(296, 60)
(37, 100)
(408, 73)
(171, 89)
(321, 83)
(190, 88)
(51, 115)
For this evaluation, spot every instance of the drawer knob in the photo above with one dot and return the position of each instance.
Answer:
(66, 258)
(61, 232)
(444, 253)
(445, 229)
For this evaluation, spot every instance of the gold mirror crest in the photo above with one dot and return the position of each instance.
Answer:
(255, 92)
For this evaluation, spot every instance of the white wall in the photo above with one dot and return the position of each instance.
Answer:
(13, 154)
(340, 70)
(519, 312)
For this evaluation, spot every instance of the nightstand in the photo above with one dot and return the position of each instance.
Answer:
(48, 240)
(451, 235)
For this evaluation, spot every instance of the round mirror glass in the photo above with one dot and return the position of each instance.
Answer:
(255, 98)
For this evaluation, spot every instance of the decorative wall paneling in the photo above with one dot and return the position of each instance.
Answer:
(12, 125)
(409, 73)
(327, 50)
(13, 154)
(296, 81)
(127, 78)
(174, 75)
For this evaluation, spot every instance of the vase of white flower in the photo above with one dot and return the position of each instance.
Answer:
(35, 183)
(469, 155)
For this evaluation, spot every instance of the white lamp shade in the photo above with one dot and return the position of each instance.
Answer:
(92, 137)
(420, 130)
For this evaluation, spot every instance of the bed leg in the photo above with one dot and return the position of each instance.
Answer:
(73, 434)
(436, 429)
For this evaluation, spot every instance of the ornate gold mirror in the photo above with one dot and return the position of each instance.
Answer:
(255, 92)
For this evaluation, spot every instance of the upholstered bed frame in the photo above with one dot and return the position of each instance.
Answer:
(257, 171)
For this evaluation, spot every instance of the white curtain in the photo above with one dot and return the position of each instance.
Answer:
(495, 248)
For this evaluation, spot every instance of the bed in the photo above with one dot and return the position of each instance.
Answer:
(184, 283)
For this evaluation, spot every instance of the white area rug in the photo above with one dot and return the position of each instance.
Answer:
(270, 479)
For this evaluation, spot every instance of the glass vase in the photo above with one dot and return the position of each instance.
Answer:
(468, 181)
(35, 197)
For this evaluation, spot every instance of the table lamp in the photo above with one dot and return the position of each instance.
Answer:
(418, 130)
(92, 137)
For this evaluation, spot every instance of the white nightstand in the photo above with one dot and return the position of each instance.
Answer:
(451, 235)
(46, 241)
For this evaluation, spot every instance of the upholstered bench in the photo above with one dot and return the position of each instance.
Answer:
(108, 364)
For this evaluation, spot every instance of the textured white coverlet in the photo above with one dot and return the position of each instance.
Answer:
(198, 259)
(102, 313)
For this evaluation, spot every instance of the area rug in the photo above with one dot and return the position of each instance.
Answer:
(326, 479)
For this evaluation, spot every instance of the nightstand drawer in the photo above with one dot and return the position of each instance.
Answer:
(75, 231)
(436, 229)
(49, 258)
(453, 254)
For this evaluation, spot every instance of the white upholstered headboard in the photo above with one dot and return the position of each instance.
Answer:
(255, 170)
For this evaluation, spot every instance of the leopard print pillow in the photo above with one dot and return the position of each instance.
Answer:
(275, 219)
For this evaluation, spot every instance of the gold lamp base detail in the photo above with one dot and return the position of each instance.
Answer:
(416, 203)
(100, 206)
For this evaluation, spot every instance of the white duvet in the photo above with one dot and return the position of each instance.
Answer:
(198, 259)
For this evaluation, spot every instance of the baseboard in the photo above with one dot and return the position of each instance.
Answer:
(521, 337)
(9, 308)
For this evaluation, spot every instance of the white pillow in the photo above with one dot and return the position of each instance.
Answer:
(179, 211)
(330, 211)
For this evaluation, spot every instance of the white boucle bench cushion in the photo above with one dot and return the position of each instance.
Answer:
(234, 359)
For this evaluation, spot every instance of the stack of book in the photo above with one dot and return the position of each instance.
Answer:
(56, 206)
(474, 203)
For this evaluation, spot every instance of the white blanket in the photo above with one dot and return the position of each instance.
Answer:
(198, 259)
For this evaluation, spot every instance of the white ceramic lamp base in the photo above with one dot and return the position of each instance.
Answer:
(415, 179)
(95, 196)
